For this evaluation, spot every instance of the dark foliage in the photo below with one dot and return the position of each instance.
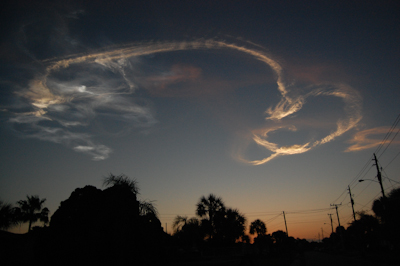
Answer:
(363, 234)
(388, 211)
(31, 210)
(92, 227)
(105, 225)
(7, 216)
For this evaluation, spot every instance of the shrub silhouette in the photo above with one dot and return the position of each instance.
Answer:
(100, 226)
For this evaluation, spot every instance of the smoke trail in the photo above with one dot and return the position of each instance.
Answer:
(50, 98)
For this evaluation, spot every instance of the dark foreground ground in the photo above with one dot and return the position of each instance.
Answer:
(314, 258)
(311, 258)
(23, 250)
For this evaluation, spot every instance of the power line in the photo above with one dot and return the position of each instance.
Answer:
(392, 160)
(363, 169)
(374, 198)
(388, 134)
(308, 211)
(356, 178)
(272, 219)
(390, 142)
(363, 190)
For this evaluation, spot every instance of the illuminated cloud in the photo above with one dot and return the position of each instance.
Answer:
(261, 139)
(363, 141)
(98, 152)
(104, 83)
(352, 110)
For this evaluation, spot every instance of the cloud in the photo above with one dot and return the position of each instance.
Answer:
(160, 85)
(77, 89)
(352, 109)
(30, 126)
(98, 152)
(363, 141)
(64, 108)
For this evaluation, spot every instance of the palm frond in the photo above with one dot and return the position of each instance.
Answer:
(7, 216)
(179, 222)
(147, 207)
(30, 210)
(123, 181)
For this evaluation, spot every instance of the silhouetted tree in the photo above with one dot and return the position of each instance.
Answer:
(284, 244)
(279, 236)
(388, 211)
(179, 222)
(122, 181)
(147, 208)
(188, 232)
(258, 227)
(221, 224)
(207, 208)
(364, 232)
(85, 209)
(31, 210)
(229, 226)
(262, 241)
(92, 223)
(7, 216)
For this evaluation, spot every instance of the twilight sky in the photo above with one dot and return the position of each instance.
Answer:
(272, 105)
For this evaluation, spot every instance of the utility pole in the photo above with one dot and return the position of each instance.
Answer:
(330, 216)
(379, 176)
(284, 217)
(352, 204)
(322, 230)
(337, 213)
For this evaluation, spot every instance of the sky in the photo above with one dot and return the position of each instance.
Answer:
(274, 106)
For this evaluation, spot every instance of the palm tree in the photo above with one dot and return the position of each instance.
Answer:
(147, 208)
(7, 216)
(32, 210)
(230, 225)
(123, 181)
(208, 207)
(258, 227)
(179, 222)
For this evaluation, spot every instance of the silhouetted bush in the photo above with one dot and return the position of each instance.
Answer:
(99, 226)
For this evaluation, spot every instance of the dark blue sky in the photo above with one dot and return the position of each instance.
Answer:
(272, 105)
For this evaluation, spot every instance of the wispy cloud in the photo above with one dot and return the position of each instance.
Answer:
(159, 85)
(352, 110)
(365, 139)
(105, 83)
(261, 139)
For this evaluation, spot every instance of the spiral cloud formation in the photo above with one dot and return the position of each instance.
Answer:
(61, 107)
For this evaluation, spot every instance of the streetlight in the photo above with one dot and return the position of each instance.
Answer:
(380, 183)
(362, 180)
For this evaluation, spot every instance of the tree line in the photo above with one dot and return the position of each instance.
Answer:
(112, 225)
(371, 233)
(28, 211)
